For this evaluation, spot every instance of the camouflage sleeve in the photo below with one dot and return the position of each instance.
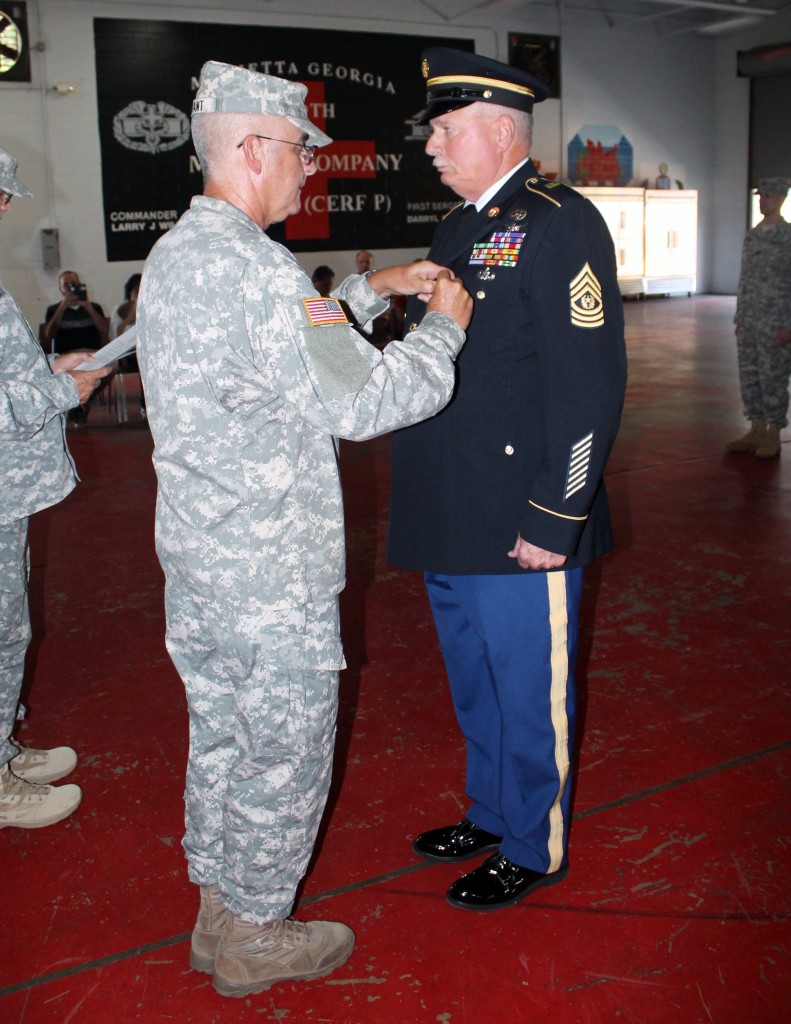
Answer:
(26, 406)
(30, 394)
(786, 282)
(313, 359)
(362, 300)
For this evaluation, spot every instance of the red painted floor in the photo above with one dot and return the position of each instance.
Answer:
(676, 908)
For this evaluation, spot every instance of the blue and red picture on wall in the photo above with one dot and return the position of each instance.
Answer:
(600, 154)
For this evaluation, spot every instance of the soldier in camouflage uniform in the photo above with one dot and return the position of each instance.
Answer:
(37, 471)
(763, 324)
(249, 375)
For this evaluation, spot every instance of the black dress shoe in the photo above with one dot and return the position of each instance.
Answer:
(498, 882)
(455, 842)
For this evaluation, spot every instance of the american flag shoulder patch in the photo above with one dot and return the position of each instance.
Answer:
(324, 312)
(579, 462)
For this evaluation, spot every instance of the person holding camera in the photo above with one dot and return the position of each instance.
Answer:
(74, 322)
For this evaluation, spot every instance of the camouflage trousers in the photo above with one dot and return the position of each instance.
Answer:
(262, 733)
(14, 626)
(764, 369)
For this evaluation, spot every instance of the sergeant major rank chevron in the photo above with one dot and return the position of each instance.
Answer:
(587, 308)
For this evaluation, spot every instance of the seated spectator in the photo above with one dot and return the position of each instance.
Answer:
(323, 279)
(121, 319)
(123, 316)
(74, 322)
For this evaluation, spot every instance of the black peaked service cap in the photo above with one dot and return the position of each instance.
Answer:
(457, 78)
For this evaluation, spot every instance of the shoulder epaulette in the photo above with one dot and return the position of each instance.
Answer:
(545, 188)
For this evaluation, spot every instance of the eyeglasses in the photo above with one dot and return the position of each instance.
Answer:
(5, 198)
(306, 153)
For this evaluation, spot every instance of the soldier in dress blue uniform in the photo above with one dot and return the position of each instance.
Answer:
(499, 499)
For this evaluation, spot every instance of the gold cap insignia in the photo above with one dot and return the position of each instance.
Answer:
(424, 67)
(587, 307)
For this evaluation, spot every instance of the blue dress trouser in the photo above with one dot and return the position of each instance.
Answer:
(509, 644)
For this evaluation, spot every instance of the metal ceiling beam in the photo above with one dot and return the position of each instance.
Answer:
(726, 7)
(713, 5)
(730, 25)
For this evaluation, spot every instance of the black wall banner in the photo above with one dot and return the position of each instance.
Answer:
(375, 188)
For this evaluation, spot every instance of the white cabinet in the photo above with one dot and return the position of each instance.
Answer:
(671, 241)
(623, 212)
(655, 235)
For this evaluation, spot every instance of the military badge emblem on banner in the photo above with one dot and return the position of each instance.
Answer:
(501, 250)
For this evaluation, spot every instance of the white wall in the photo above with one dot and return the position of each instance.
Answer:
(673, 97)
(729, 216)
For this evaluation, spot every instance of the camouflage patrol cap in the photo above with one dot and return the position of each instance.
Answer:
(8, 179)
(226, 88)
(773, 186)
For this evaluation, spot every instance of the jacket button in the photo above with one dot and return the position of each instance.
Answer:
(509, 449)
(480, 295)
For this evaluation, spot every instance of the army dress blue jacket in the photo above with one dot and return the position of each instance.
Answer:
(522, 446)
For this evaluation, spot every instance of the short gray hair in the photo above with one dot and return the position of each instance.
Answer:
(215, 135)
(523, 121)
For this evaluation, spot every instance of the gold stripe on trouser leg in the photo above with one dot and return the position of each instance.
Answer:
(559, 663)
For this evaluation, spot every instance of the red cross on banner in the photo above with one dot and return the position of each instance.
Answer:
(341, 159)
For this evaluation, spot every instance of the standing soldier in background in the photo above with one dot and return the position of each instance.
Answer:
(363, 262)
(763, 324)
(248, 376)
(37, 471)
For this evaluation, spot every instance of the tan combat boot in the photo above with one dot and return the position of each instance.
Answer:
(769, 447)
(42, 766)
(212, 916)
(749, 441)
(253, 957)
(26, 805)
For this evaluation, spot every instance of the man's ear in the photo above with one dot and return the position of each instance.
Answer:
(253, 154)
(505, 131)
